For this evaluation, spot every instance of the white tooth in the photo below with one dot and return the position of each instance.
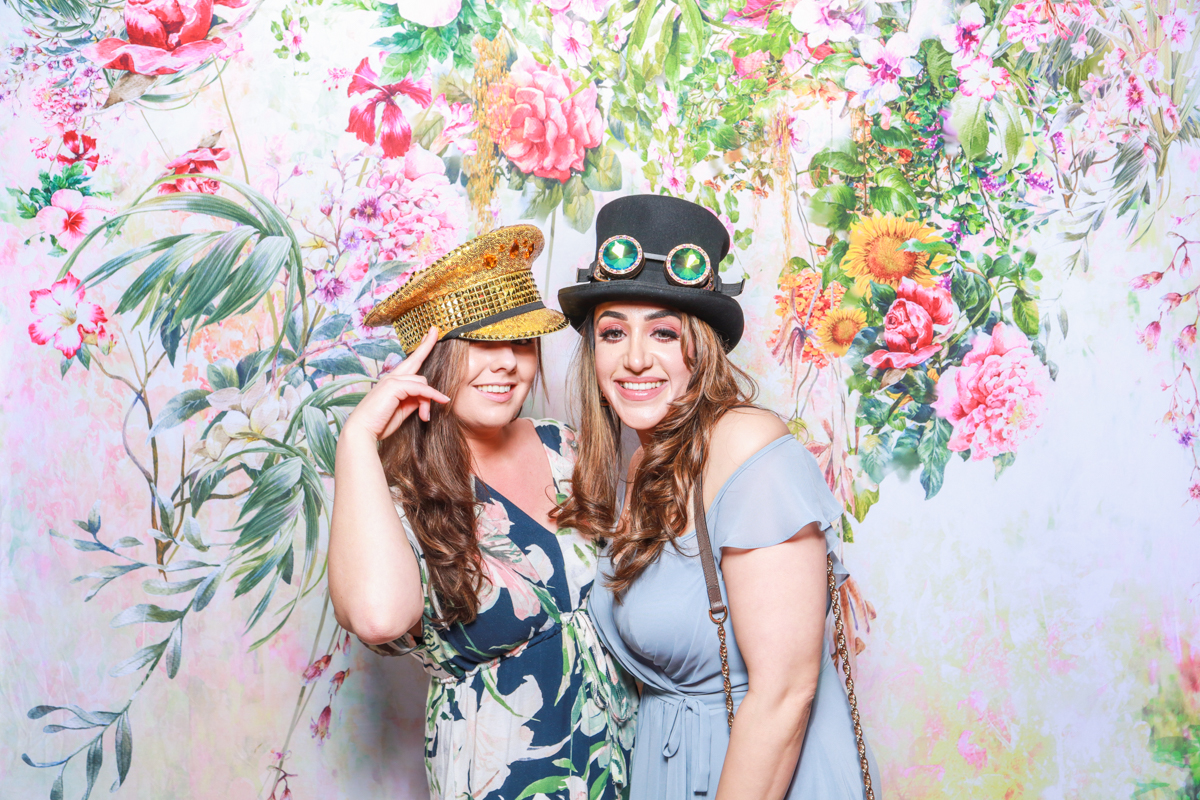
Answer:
(641, 387)
(494, 388)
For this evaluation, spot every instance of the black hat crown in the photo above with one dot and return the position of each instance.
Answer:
(659, 224)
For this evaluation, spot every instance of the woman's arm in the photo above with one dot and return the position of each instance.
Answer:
(777, 600)
(374, 579)
(777, 607)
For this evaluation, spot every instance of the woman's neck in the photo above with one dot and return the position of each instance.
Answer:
(488, 445)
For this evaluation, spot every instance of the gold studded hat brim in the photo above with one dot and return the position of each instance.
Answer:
(529, 325)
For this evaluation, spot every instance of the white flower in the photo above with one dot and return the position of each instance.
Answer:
(252, 415)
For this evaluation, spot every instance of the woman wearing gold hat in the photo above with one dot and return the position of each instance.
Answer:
(726, 519)
(444, 545)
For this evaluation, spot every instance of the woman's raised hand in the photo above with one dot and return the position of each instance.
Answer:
(398, 394)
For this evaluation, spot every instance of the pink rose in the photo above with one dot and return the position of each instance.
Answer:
(165, 36)
(545, 127)
(996, 398)
(908, 327)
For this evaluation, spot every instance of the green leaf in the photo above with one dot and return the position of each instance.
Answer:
(210, 276)
(138, 660)
(938, 61)
(1003, 462)
(545, 785)
(378, 349)
(844, 163)
(725, 137)
(831, 206)
(112, 266)
(641, 23)
(254, 277)
(273, 484)
(889, 201)
(863, 501)
(162, 270)
(331, 328)
(932, 477)
(897, 135)
(338, 362)
(968, 115)
(1025, 314)
(875, 452)
(161, 587)
(697, 29)
(192, 534)
(181, 407)
(95, 760)
(145, 612)
(602, 170)
(892, 178)
(206, 591)
(932, 448)
(320, 439)
(578, 205)
(174, 651)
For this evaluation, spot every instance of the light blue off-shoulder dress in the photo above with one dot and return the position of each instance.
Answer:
(662, 635)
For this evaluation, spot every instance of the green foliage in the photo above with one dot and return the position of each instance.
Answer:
(31, 201)
(413, 47)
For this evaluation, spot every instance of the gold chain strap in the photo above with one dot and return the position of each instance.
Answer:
(844, 658)
(724, 651)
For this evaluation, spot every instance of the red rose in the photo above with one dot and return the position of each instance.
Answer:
(908, 328)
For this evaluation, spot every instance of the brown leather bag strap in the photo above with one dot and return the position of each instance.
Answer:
(716, 605)
(717, 611)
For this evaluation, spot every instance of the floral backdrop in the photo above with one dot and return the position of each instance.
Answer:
(967, 231)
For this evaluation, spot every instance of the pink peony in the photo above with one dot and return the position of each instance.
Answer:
(69, 216)
(165, 36)
(544, 125)
(193, 163)
(64, 317)
(395, 134)
(996, 398)
(908, 327)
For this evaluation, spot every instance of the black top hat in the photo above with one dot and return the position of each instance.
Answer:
(659, 227)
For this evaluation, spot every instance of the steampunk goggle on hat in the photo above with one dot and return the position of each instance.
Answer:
(662, 250)
(480, 291)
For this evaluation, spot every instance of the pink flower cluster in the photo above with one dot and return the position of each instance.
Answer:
(996, 398)
(545, 124)
(972, 53)
(1037, 22)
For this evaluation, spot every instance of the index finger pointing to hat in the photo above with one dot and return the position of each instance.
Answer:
(415, 360)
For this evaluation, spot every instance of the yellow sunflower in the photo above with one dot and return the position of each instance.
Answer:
(877, 252)
(839, 328)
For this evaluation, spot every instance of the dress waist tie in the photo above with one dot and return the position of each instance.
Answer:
(687, 722)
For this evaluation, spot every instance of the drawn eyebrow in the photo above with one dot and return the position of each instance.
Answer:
(615, 315)
(664, 313)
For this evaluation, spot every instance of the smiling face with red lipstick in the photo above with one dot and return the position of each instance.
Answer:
(640, 364)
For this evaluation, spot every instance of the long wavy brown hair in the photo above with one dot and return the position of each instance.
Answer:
(671, 461)
(429, 467)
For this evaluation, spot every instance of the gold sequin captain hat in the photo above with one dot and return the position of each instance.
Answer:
(480, 291)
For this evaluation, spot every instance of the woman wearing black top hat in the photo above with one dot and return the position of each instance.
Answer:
(751, 707)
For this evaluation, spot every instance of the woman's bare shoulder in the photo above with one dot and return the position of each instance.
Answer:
(738, 435)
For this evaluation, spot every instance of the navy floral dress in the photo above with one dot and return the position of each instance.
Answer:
(524, 702)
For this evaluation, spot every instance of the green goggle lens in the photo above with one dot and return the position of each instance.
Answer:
(688, 265)
(621, 256)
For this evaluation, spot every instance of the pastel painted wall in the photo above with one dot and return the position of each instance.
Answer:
(967, 233)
